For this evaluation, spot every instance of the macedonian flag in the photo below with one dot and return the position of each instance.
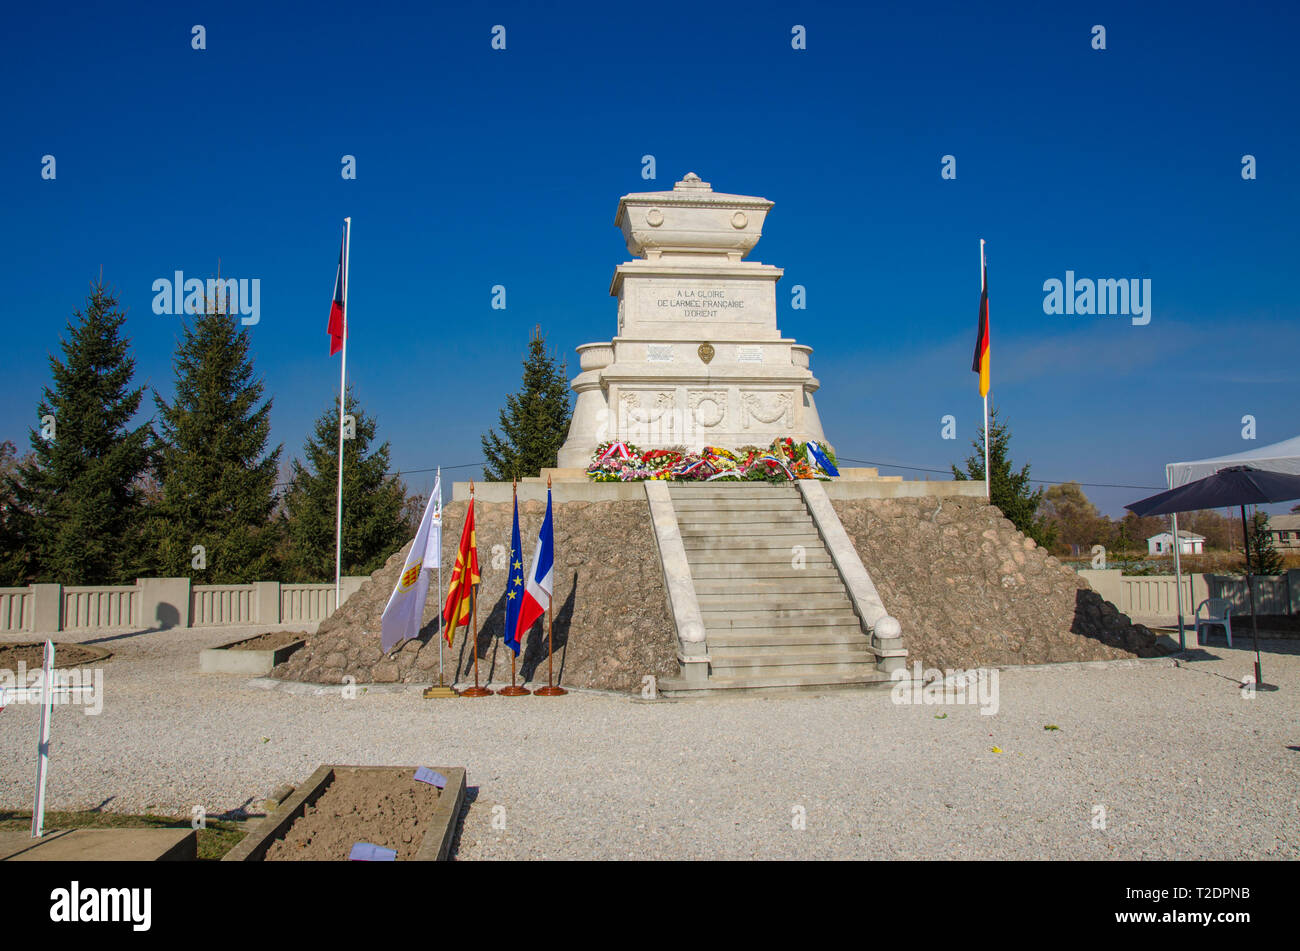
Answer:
(464, 576)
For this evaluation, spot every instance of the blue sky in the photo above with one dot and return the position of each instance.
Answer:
(478, 167)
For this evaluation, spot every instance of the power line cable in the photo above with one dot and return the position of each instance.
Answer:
(1091, 485)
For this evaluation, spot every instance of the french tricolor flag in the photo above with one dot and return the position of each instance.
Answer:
(537, 590)
(338, 325)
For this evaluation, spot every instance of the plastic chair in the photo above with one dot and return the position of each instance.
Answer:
(1223, 620)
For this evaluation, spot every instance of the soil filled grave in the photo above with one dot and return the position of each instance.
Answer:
(272, 640)
(65, 655)
(385, 807)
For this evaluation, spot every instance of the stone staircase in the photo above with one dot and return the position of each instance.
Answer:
(775, 610)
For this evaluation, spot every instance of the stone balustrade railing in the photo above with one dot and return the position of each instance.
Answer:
(156, 603)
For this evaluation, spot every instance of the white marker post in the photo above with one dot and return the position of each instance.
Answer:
(45, 694)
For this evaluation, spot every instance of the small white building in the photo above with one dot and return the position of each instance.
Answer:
(1285, 530)
(1189, 543)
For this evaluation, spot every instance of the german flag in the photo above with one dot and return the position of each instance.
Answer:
(464, 578)
(980, 364)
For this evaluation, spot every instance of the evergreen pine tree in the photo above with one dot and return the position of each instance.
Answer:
(1008, 490)
(76, 503)
(14, 558)
(374, 523)
(1264, 557)
(535, 420)
(216, 479)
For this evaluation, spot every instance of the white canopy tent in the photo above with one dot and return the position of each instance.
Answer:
(1281, 456)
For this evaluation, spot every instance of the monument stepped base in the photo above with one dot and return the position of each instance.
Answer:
(696, 585)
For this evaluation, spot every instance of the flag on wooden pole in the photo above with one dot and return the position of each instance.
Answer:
(537, 591)
(514, 585)
(464, 577)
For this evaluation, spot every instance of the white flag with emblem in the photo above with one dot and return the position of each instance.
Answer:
(405, 610)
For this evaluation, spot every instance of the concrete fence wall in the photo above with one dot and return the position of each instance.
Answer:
(1154, 597)
(1274, 594)
(156, 603)
(15, 609)
(91, 608)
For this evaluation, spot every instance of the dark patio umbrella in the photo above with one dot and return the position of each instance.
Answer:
(1235, 485)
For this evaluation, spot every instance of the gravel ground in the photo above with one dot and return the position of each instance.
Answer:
(1183, 765)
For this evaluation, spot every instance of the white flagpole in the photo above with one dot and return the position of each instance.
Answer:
(984, 290)
(438, 482)
(343, 389)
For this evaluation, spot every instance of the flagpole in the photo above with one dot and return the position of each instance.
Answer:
(550, 690)
(476, 690)
(514, 690)
(987, 490)
(343, 389)
(441, 690)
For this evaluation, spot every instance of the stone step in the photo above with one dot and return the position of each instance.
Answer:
(744, 559)
(760, 668)
(731, 654)
(683, 506)
(746, 530)
(687, 492)
(740, 543)
(759, 515)
(759, 570)
(725, 620)
(784, 638)
(795, 683)
(793, 583)
(771, 601)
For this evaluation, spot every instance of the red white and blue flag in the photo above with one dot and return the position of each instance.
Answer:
(338, 325)
(538, 589)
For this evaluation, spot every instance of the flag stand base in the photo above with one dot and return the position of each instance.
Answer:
(550, 692)
(438, 691)
(476, 691)
(513, 691)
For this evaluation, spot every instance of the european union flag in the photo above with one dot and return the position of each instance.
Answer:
(514, 585)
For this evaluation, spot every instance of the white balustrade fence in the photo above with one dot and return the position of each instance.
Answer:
(155, 603)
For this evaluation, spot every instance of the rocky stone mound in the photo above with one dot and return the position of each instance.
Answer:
(611, 625)
(970, 590)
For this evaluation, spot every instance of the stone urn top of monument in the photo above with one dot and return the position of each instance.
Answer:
(691, 221)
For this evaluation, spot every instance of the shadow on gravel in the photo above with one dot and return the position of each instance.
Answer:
(471, 796)
(118, 637)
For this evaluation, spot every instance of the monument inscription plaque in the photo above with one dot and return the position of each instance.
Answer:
(690, 285)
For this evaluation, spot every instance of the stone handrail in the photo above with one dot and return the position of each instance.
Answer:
(692, 648)
(886, 632)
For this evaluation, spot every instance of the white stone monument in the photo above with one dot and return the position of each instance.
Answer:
(698, 360)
